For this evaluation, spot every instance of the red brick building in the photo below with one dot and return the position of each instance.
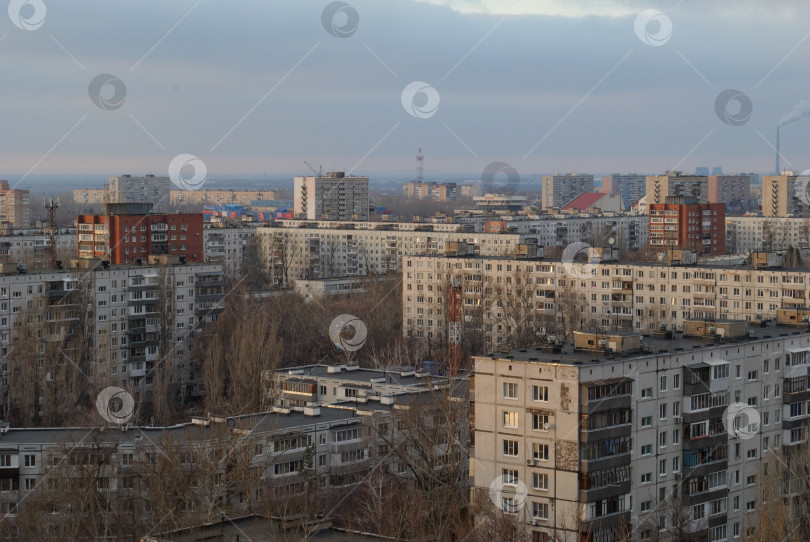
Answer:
(681, 223)
(125, 235)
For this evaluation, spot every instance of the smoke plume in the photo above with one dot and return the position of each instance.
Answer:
(799, 111)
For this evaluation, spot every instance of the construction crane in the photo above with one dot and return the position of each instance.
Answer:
(454, 328)
(319, 173)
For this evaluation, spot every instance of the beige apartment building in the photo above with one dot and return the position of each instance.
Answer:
(294, 249)
(624, 437)
(559, 189)
(220, 197)
(334, 196)
(785, 195)
(15, 206)
(507, 300)
(90, 195)
(675, 183)
(747, 233)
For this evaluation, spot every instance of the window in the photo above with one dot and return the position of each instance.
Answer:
(646, 449)
(646, 421)
(752, 375)
(662, 412)
(645, 506)
(540, 393)
(646, 393)
(510, 447)
(540, 481)
(646, 478)
(510, 390)
(539, 510)
(540, 422)
(540, 451)
(510, 419)
(663, 384)
(676, 381)
(662, 439)
(720, 371)
(698, 511)
(509, 477)
(30, 460)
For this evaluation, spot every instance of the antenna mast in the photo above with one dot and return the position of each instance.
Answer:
(51, 205)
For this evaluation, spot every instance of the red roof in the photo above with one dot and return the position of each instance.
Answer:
(584, 201)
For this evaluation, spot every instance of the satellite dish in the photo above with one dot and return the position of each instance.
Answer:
(611, 240)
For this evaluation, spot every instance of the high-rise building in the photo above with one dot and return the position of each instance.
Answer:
(559, 189)
(680, 222)
(333, 197)
(148, 189)
(15, 206)
(435, 191)
(640, 439)
(785, 195)
(675, 183)
(632, 187)
(220, 197)
(90, 195)
(732, 190)
(127, 234)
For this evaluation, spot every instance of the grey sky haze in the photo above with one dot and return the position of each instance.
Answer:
(572, 74)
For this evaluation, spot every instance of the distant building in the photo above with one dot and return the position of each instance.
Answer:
(748, 233)
(632, 187)
(15, 206)
(148, 189)
(561, 189)
(127, 234)
(732, 190)
(89, 196)
(499, 202)
(220, 197)
(783, 196)
(589, 201)
(675, 183)
(471, 190)
(434, 191)
(683, 223)
(333, 197)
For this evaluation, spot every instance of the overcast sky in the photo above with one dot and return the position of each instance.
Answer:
(254, 86)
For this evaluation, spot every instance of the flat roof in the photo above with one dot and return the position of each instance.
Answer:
(652, 346)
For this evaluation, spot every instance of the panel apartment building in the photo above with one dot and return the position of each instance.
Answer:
(785, 195)
(681, 222)
(559, 189)
(294, 249)
(618, 436)
(332, 197)
(675, 183)
(220, 197)
(504, 295)
(627, 232)
(747, 233)
(123, 308)
(631, 186)
(129, 233)
(146, 189)
(15, 206)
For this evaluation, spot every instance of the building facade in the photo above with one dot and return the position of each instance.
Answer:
(505, 298)
(430, 190)
(226, 245)
(628, 232)
(675, 183)
(785, 195)
(632, 187)
(682, 223)
(220, 197)
(90, 196)
(732, 190)
(333, 197)
(559, 189)
(15, 206)
(129, 238)
(146, 189)
(747, 233)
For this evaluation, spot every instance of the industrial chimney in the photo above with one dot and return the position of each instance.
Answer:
(778, 169)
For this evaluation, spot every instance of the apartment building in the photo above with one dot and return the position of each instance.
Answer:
(559, 189)
(146, 189)
(628, 232)
(295, 249)
(126, 309)
(630, 186)
(732, 190)
(504, 296)
(471, 190)
(747, 233)
(32, 248)
(430, 190)
(220, 197)
(681, 222)
(333, 197)
(785, 195)
(492, 203)
(90, 196)
(621, 435)
(675, 183)
(225, 244)
(15, 206)
(128, 233)
(345, 287)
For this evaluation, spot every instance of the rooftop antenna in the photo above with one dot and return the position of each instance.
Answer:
(319, 173)
(52, 204)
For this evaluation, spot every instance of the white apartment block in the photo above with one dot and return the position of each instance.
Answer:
(32, 248)
(147, 189)
(128, 310)
(631, 232)
(747, 233)
(675, 183)
(333, 197)
(226, 245)
(624, 439)
(561, 189)
(300, 250)
(503, 295)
